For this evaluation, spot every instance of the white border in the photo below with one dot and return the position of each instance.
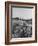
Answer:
(33, 27)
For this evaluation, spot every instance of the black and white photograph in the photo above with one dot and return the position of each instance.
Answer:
(21, 22)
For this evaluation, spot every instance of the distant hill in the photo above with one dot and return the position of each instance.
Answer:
(22, 19)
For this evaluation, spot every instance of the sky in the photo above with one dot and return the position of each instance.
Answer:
(24, 13)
